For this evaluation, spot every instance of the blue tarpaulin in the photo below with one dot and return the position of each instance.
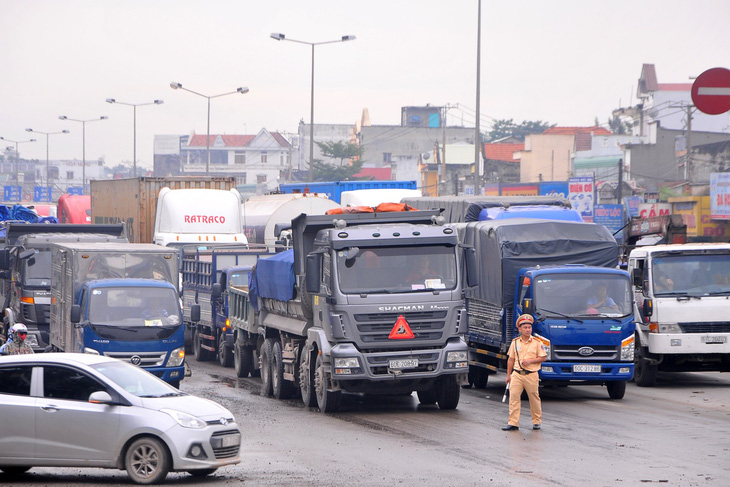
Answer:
(274, 277)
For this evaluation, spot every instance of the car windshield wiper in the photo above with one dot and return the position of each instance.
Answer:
(560, 314)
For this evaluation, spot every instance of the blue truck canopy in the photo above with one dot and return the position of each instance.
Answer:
(274, 278)
(542, 212)
(459, 209)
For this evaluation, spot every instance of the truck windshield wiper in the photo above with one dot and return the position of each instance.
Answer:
(672, 293)
(719, 293)
(560, 314)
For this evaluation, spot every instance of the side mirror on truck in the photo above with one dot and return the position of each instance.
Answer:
(647, 308)
(472, 267)
(75, 314)
(311, 270)
(638, 277)
(215, 293)
(195, 313)
(4, 259)
(528, 306)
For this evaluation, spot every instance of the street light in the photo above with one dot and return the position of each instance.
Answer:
(17, 155)
(177, 86)
(282, 37)
(48, 172)
(135, 105)
(83, 145)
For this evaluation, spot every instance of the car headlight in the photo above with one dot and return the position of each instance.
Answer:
(627, 349)
(456, 356)
(184, 419)
(91, 351)
(176, 357)
(346, 362)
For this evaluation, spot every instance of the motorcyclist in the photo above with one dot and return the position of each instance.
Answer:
(17, 345)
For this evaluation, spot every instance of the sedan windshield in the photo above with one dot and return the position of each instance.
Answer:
(396, 269)
(582, 295)
(135, 380)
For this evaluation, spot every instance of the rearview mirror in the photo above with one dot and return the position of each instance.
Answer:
(100, 397)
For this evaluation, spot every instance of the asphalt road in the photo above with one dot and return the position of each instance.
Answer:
(676, 434)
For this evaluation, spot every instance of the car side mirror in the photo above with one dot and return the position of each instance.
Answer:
(100, 397)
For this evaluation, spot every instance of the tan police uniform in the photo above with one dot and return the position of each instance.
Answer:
(525, 378)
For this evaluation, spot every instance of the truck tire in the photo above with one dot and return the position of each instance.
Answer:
(267, 349)
(225, 354)
(481, 377)
(616, 389)
(282, 389)
(243, 360)
(306, 379)
(448, 392)
(428, 397)
(644, 372)
(328, 401)
(306, 300)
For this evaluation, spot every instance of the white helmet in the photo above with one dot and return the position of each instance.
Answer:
(20, 328)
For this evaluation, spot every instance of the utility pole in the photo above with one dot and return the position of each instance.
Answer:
(688, 160)
(442, 183)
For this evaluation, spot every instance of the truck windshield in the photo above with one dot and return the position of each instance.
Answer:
(134, 307)
(691, 274)
(582, 295)
(37, 269)
(366, 270)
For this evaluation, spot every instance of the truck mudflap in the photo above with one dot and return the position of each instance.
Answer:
(587, 372)
(349, 363)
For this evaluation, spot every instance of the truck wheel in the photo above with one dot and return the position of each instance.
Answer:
(306, 379)
(282, 389)
(243, 360)
(644, 372)
(267, 348)
(225, 354)
(306, 300)
(481, 377)
(428, 396)
(201, 354)
(147, 461)
(616, 389)
(328, 401)
(448, 392)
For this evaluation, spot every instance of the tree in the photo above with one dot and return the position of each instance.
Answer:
(340, 150)
(507, 128)
(618, 127)
(322, 171)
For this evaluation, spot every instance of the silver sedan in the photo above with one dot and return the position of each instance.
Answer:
(78, 410)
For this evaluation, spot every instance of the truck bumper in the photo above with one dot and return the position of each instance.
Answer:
(563, 371)
(689, 343)
(399, 364)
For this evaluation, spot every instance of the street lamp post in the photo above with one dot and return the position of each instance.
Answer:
(282, 37)
(17, 157)
(48, 164)
(83, 145)
(134, 106)
(242, 90)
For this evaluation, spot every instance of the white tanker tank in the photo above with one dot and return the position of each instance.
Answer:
(262, 214)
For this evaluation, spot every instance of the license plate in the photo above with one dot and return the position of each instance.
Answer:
(230, 440)
(411, 363)
(714, 339)
(586, 368)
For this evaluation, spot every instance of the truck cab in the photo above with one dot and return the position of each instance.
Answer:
(584, 319)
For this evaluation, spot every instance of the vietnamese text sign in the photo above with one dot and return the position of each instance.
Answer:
(610, 216)
(720, 196)
(12, 193)
(581, 196)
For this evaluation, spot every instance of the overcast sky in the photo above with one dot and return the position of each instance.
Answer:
(559, 61)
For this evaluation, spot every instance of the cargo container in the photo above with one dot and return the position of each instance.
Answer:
(134, 200)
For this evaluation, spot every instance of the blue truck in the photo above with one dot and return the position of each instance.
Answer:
(122, 301)
(561, 273)
(207, 274)
(334, 189)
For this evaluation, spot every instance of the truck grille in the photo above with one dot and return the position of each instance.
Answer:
(148, 359)
(376, 327)
(427, 361)
(570, 352)
(216, 441)
(706, 327)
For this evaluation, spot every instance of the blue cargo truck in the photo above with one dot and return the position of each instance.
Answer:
(119, 300)
(334, 189)
(561, 273)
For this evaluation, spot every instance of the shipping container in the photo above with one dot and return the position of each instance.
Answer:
(134, 200)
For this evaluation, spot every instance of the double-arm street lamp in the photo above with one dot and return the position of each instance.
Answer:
(17, 155)
(48, 171)
(83, 144)
(282, 37)
(135, 105)
(177, 86)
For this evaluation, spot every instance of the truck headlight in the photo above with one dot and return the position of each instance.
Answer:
(456, 356)
(669, 328)
(545, 345)
(176, 357)
(627, 349)
(346, 362)
(91, 351)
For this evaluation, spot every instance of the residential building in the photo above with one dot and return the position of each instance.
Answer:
(502, 161)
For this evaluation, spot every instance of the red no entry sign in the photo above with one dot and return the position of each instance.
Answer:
(711, 91)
